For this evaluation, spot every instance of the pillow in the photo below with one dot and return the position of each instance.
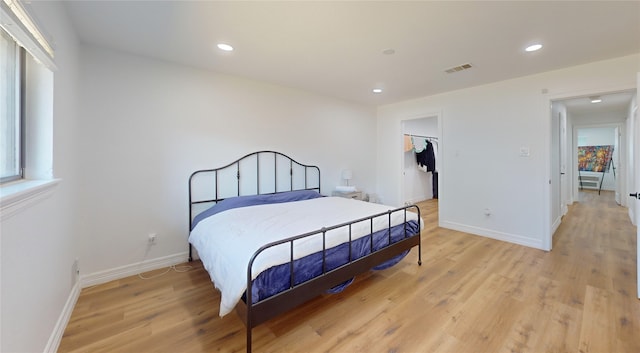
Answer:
(252, 200)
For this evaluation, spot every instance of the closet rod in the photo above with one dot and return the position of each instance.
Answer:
(427, 137)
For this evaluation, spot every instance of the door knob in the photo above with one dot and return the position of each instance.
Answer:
(635, 194)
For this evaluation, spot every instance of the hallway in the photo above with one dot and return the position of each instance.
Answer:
(595, 248)
(597, 232)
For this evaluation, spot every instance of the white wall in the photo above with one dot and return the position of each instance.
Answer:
(39, 244)
(147, 125)
(596, 136)
(591, 119)
(483, 131)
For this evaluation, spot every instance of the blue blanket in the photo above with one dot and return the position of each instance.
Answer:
(278, 278)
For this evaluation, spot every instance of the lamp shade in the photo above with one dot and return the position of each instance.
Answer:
(347, 174)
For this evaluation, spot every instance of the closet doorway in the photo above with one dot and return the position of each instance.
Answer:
(419, 182)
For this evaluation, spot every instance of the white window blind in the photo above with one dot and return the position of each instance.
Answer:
(23, 27)
(10, 115)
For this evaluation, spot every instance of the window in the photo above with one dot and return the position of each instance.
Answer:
(11, 119)
(26, 110)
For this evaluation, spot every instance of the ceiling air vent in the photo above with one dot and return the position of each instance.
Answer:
(458, 68)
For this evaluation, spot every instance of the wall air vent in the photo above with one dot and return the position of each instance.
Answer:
(458, 68)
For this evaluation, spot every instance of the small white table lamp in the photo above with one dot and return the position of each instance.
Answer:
(347, 175)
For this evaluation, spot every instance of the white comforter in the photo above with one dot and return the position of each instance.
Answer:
(226, 241)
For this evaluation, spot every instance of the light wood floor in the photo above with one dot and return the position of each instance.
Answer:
(471, 294)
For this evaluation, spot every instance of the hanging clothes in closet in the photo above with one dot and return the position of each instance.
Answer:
(425, 148)
(434, 184)
(426, 157)
(408, 143)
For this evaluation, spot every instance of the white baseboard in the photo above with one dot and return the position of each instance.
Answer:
(133, 269)
(103, 277)
(63, 320)
(417, 199)
(555, 225)
(510, 238)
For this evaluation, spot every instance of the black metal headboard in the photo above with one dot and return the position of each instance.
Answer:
(258, 173)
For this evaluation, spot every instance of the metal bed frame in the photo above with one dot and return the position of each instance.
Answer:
(262, 311)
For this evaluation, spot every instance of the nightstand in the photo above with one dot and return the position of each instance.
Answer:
(356, 195)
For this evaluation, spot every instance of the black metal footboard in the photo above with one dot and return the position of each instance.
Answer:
(297, 294)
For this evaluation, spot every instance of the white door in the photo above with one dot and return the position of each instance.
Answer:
(617, 172)
(564, 181)
(554, 181)
(636, 175)
(636, 172)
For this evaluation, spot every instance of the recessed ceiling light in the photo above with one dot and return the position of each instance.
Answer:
(225, 47)
(534, 47)
(595, 99)
(377, 90)
(388, 51)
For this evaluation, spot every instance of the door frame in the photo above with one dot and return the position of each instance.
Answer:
(405, 129)
(547, 241)
(635, 176)
(439, 154)
(558, 134)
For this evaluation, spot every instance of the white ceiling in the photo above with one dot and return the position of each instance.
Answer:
(335, 48)
(612, 103)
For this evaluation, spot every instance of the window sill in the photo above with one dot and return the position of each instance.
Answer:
(17, 196)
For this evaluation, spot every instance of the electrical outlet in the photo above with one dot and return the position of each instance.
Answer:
(75, 272)
(152, 238)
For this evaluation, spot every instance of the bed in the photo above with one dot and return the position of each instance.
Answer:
(271, 241)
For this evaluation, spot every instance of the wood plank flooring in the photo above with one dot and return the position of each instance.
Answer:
(471, 294)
